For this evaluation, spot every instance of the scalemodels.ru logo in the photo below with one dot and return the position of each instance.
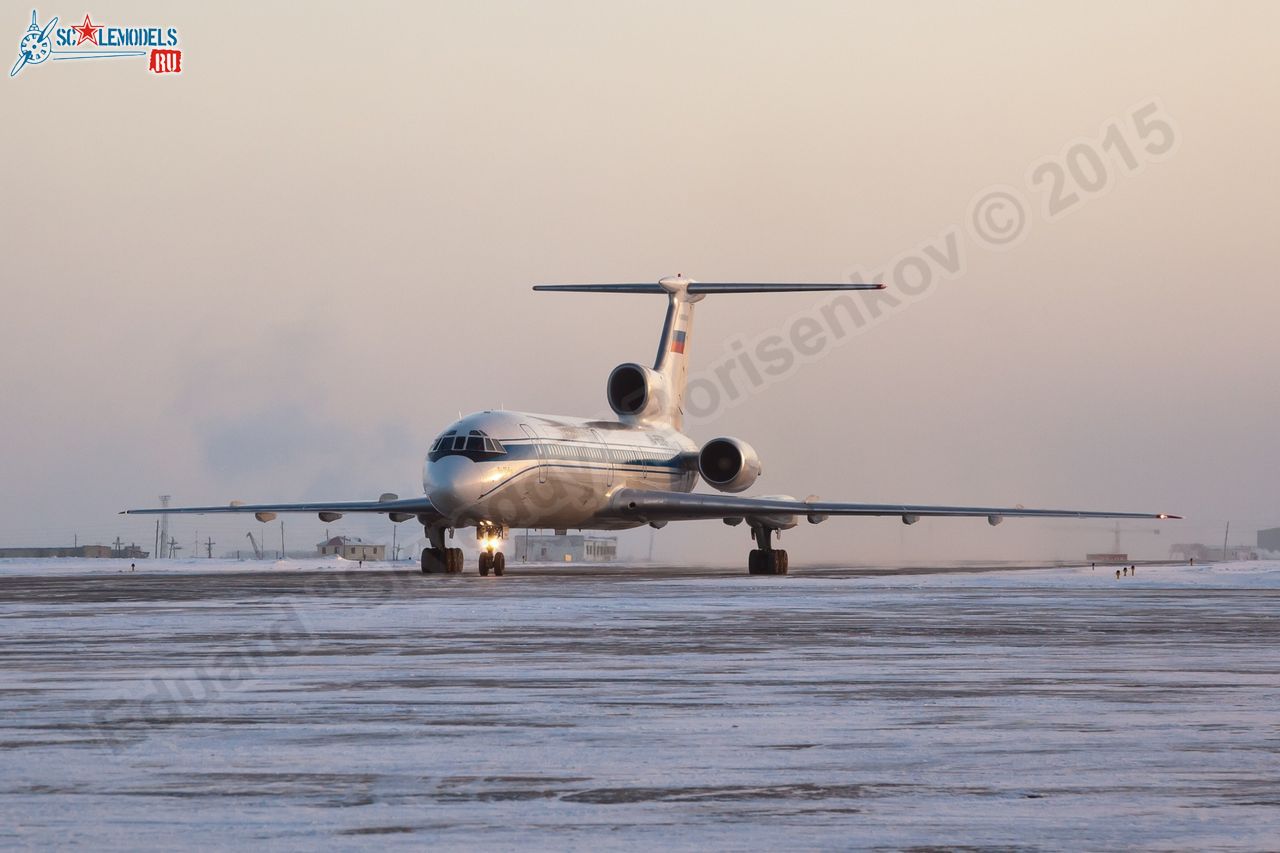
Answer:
(89, 40)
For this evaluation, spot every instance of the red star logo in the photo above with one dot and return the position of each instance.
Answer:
(88, 31)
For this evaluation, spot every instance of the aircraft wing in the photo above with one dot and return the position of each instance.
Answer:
(404, 508)
(636, 504)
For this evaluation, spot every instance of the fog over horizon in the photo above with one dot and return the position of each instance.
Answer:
(278, 275)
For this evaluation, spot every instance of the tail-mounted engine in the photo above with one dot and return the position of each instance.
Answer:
(728, 464)
(637, 392)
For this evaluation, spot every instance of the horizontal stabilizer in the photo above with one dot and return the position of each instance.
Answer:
(696, 287)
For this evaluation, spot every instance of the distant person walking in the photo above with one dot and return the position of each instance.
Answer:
(133, 567)
(1117, 574)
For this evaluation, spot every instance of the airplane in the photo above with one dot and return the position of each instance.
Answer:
(498, 470)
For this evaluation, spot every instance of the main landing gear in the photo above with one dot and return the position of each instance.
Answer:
(766, 560)
(447, 561)
(437, 559)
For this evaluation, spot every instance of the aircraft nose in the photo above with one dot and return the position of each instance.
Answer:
(453, 484)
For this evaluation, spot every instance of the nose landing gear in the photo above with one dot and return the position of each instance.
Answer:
(495, 561)
(490, 538)
(766, 560)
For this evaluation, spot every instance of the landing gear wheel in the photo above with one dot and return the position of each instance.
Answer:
(486, 562)
(499, 564)
(454, 560)
(761, 562)
(433, 562)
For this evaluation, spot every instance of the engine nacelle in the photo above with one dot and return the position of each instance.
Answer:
(637, 391)
(728, 464)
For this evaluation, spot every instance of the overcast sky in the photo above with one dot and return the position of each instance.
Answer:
(277, 275)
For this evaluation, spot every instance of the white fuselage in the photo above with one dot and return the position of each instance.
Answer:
(525, 470)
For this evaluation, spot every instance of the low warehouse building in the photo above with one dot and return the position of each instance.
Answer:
(102, 552)
(564, 548)
(352, 548)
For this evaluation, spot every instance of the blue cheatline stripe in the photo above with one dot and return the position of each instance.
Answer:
(570, 467)
(527, 451)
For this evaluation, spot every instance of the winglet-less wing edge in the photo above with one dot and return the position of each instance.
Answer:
(415, 506)
(669, 506)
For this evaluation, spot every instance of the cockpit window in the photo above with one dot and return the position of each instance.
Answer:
(447, 438)
(475, 445)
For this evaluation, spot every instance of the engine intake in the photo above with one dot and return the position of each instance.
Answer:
(728, 464)
(636, 391)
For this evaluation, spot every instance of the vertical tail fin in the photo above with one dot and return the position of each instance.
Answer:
(672, 361)
(628, 387)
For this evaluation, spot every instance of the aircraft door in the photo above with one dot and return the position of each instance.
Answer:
(540, 449)
(608, 458)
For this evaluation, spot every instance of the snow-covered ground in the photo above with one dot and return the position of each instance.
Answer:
(309, 703)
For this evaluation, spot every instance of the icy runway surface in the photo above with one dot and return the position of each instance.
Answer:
(303, 705)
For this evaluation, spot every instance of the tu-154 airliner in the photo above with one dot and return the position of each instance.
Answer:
(495, 471)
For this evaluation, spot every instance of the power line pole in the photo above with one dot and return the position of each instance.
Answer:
(208, 548)
(282, 538)
(1225, 536)
(155, 552)
(164, 523)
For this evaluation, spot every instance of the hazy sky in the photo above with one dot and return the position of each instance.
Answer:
(279, 274)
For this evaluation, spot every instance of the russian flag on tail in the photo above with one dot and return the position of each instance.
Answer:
(677, 342)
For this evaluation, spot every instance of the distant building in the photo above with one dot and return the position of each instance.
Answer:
(102, 552)
(564, 548)
(1269, 540)
(1206, 553)
(351, 548)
